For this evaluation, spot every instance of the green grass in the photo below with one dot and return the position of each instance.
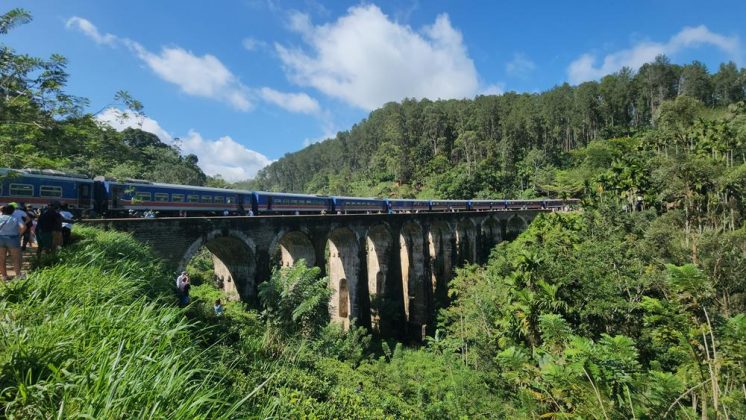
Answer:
(98, 336)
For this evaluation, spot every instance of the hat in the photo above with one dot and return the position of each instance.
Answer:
(14, 204)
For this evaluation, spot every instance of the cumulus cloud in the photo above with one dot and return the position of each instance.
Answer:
(253, 44)
(585, 67)
(520, 66)
(366, 60)
(224, 156)
(293, 102)
(203, 76)
(90, 30)
(495, 89)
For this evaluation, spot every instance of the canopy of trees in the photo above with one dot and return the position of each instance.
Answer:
(500, 146)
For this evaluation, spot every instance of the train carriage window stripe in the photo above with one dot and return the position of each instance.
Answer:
(142, 196)
(162, 197)
(50, 191)
(22, 190)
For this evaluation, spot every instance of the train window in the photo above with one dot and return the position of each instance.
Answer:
(161, 197)
(193, 198)
(177, 198)
(22, 190)
(230, 200)
(220, 200)
(206, 199)
(142, 196)
(50, 191)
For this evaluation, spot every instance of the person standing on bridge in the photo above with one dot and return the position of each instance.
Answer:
(10, 241)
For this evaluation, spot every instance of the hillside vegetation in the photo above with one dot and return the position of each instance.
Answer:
(634, 307)
(512, 145)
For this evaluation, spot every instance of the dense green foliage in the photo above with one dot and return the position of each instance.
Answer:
(507, 145)
(634, 307)
(42, 126)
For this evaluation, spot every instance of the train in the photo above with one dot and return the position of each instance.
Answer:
(105, 197)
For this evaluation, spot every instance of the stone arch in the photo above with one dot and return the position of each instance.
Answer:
(492, 235)
(440, 246)
(466, 242)
(291, 246)
(378, 243)
(343, 267)
(515, 226)
(234, 260)
(414, 290)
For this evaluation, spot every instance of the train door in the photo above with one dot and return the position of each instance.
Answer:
(116, 193)
(241, 209)
(84, 196)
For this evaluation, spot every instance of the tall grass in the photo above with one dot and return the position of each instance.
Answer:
(97, 336)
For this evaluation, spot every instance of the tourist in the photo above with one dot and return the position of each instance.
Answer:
(10, 241)
(180, 279)
(67, 224)
(28, 238)
(49, 229)
(185, 286)
(218, 308)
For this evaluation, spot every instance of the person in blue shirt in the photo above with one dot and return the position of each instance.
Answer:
(218, 308)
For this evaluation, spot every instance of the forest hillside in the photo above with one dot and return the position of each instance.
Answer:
(517, 144)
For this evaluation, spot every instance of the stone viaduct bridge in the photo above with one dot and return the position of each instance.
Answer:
(389, 272)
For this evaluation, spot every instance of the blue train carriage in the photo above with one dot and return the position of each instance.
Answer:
(351, 205)
(449, 205)
(403, 205)
(534, 204)
(284, 203)
(128, 196)
(38, 187)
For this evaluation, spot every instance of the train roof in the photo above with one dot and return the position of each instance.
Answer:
(291, 194)
(358, 198)
(174, 186)
(46, 173)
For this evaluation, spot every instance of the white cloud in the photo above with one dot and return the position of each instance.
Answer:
(495, 89)
(253, 44)
(584, 67)
(520, 66)
(224, 156)
(90, 30)
(203, 76)
(366, 60)
(293, 102)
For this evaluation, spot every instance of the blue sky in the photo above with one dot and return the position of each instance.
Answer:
(240, 83)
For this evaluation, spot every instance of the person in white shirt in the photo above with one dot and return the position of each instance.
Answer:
(10, 241)
(180, 279)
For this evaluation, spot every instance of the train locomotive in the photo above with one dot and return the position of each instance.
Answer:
(104, 197)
